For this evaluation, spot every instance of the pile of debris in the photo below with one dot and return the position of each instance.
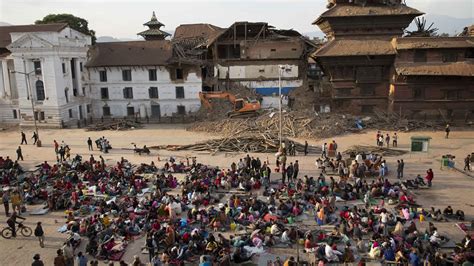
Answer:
(312, 125)
(294, 124)
(122, 124)
(258, 143)
(362, 149)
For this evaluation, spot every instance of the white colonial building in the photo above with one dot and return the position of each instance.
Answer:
(42, 68)
(139, 78)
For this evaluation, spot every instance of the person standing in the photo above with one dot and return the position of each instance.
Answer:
(399, 169)
(305, 148)
(290, 172)
(39, 233)
(68, 254)
(429, 177)
(447, 130)
(324, 150)
(6, 202)
(23, 138)
(150, 246)
(89, 144)
(19, 154)
(387, 140)
(59, 260)
(81, 259)
(35, 137)
(395, 140)
(402, 168)
(296, 170)
(37, 260)
(467, 163)
(56, 146)
(16, 201)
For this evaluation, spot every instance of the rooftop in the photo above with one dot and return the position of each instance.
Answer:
(355, 47)
(134, 53)
(186, 31)
(462, 69)
(350, 10)
(5, 38)
(433, 42)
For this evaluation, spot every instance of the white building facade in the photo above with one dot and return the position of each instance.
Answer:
(43, 76)
(142, 91)
(138, 79)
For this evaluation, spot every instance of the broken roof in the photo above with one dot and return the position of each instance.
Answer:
(350, 10)
(433, 42)
(5, 38)
(465, 69)
(134, 53)
(206, 31)
(356, 47)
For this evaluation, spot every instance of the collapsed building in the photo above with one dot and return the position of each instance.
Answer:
(371, 66)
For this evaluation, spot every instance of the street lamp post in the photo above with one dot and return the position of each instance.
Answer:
(281, 69)
(30, 93)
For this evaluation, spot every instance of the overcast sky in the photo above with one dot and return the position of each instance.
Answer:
(123, 19)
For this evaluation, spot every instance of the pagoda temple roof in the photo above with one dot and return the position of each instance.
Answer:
(154, 21)
(154, 32)
(352, 10)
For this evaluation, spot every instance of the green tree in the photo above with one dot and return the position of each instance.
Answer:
(74, 22)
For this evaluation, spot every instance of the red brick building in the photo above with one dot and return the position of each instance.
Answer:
(371, 66)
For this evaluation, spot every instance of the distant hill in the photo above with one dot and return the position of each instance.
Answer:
(113, 39)
(4, 24)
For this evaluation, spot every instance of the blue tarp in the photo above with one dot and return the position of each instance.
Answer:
(269, 91)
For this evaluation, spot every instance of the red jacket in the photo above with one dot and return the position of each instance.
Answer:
(429, 176)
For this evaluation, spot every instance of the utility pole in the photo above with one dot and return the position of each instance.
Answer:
(30, 94)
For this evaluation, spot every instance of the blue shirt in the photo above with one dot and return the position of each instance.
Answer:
(81, 261)
(389, 254)
(414, 260)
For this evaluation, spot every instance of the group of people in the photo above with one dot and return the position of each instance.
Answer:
(381, 139)
(183, 220)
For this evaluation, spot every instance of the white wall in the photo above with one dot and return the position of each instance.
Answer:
(140, 84)
(51, 49)
(255, 72)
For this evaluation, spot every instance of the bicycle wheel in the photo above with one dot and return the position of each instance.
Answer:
(7, 233)
(26, 231)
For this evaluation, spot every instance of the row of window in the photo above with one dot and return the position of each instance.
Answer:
(155, 110)
(421, 56)
(152, 75)
(152, 93)
(38, 69)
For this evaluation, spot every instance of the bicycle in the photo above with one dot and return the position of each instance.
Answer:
(7, 232)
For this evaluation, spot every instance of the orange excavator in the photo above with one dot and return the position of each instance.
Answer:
(241, 107)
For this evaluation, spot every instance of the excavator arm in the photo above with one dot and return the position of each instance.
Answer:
(215, 95)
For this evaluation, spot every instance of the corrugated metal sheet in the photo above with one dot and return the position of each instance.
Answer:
(463, 69)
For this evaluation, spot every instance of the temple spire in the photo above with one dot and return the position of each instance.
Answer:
(154, 32)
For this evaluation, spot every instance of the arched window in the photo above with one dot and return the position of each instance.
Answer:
(39, 90)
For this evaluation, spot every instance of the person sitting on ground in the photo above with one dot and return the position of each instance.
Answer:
(448, 211)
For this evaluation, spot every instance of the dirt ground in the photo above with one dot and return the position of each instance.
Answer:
(449, 187)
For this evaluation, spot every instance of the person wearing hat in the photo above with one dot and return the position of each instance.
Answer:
(39, 233)
(37, 261)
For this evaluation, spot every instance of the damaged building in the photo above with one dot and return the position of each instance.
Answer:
(371, 66)
(249, 54)
(433, 77)
(142, 78)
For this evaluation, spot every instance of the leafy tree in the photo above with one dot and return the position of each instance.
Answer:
(74, 22)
